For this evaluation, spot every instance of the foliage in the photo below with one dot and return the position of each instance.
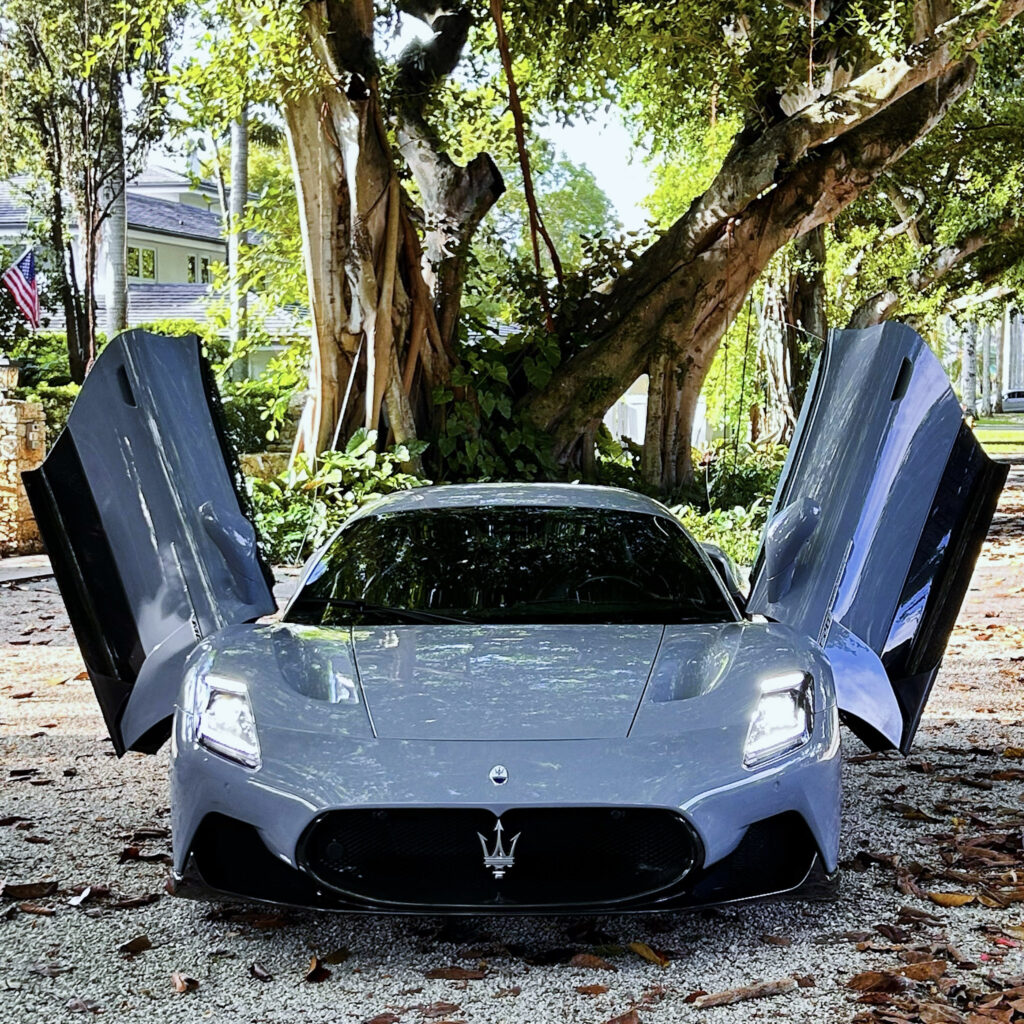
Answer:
(743, 474)
(573, 205)
(737, 530)
(297, 512)
(56, 400)
(43, 356)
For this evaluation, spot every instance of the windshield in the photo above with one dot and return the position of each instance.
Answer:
(511, 564)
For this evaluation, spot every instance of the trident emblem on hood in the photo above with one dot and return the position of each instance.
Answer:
(498, 860)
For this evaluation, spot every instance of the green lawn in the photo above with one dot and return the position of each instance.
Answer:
(998, 440)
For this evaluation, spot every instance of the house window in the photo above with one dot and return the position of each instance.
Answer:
(198, 269)
(141, 265)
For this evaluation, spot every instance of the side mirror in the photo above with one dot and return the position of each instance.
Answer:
(726, 568)
(784, 539)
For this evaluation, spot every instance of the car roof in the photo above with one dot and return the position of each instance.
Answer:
(536, 495)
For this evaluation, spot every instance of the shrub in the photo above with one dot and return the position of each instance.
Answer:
(56, 400)
(43, 357)
(737, 531)
(245, 412)
(727, 476)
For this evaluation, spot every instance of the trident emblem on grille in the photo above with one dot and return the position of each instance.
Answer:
(498, 860)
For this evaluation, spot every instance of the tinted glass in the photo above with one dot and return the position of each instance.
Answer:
(511, 564)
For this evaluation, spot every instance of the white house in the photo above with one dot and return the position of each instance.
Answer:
(175, 235)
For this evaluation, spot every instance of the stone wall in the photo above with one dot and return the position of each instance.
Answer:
(22, 446)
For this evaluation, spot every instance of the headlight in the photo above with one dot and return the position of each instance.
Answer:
(225, 723)
(782, 720)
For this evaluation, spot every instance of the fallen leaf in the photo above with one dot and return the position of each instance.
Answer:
(776, 940)
(27, 890)
(136, 945)
(591, 990)
(642, 949)
(589, 960)
(12, 819)
(316, 972)
(339, 956)
(927, 970)
(951, 899)
(183, 983)
(384, 1018)
(742, 994)
(439, 1009)
(455, 974)
(937, 1013)
(876, 981)
(38, 839)
(804, 980)
(259, 972)
(1016, 753)
(512, 992)
(629, 1017)
(36, 908)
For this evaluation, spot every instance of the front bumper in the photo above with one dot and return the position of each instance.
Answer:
(776, 859)
(760, 834)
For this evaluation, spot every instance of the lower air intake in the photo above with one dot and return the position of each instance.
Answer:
(560, 857)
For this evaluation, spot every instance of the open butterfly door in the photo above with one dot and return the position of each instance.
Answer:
(139, 505)
(889, 496)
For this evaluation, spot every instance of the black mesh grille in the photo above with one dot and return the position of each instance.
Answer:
(562, 856)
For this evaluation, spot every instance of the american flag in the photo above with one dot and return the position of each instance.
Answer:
(20, 278)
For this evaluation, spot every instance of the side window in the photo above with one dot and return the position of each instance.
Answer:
(141, 263)
(198, 269)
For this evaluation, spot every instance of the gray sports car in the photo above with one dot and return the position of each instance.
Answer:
(513, 697)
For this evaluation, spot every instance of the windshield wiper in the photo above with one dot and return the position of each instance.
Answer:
(368, 608)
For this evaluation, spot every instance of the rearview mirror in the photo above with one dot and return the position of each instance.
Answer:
(785, 537)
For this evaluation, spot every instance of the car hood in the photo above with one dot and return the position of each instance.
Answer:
(507, 683)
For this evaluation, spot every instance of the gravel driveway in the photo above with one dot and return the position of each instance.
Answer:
(947, 820)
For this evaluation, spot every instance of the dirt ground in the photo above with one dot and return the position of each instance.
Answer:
(929, 926)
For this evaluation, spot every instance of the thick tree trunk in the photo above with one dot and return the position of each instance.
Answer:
(238, 292)
(381, 340)
(773, 341)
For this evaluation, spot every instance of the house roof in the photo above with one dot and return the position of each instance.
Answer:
(154, 174)
(12, 209)
(145, 213)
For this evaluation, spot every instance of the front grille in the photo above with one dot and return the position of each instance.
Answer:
(562, 857)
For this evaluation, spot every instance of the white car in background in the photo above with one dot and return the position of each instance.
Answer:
(1014, 401)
